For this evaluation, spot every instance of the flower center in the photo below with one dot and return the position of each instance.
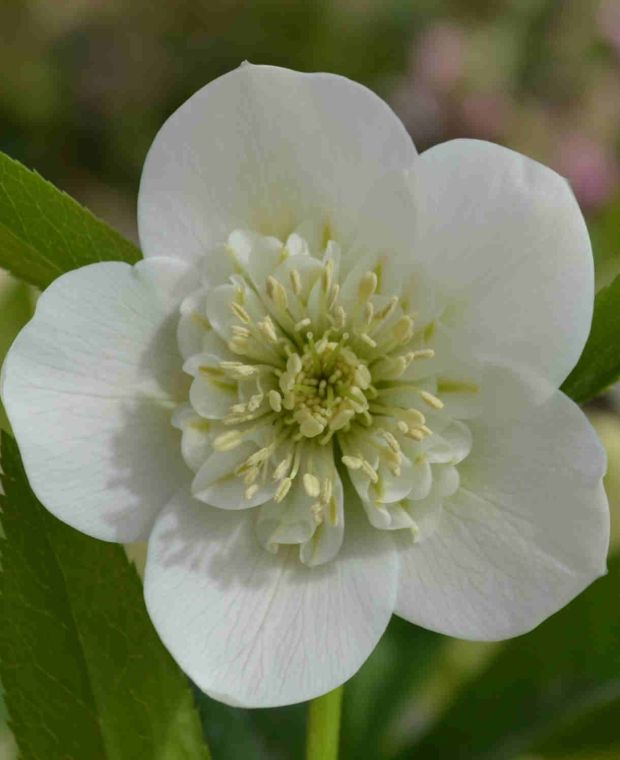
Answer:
(324, 388)
(305, 377)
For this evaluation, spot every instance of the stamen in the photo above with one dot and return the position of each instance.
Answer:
(312, 485)
(340, 317)
(238, 370)
(431, 400)
(334, 296)
(268, 329)
(424, 353)
(277, 293)
(311, 427)
(403, 329)
(240, 312)
(282, 468)
(283, 489)
(368, 340)
(369, 470)
(367, 286)
(328, 272)
(275, 400)
(228, 441)
(387, 311)
(295, 281)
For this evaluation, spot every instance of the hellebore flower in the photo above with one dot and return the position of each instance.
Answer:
(328, 393)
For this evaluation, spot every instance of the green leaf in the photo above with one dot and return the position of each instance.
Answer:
(540, 685)
(85, 676)
(599, 365)
(604, 230)
(256, 734)
(229, 730)
(16, 307)
(596, 732)
(404, 658)
(45, 233)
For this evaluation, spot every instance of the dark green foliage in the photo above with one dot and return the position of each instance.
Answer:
(45, 233)
(555, 688)
(84, 674)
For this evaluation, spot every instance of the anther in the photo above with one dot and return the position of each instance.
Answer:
(312, 485)
(240, 312)
(283, 489)
(403, 329)
(268, 329)
(238, 370)
(228, 441)
(369, 470)
(352, 463)
(310, 426)
(340, 317)
(282, 468)
(277, 293)
(368, 340)
(423, 353)
(327, 488)
(275, 400)
(328, 271)
(295, 281)
(431, 400)
(367, 286)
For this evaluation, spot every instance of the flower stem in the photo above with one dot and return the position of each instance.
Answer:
(323, 732)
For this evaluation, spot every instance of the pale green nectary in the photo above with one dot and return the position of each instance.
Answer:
(329, 392)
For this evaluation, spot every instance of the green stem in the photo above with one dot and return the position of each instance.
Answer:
(323, 732)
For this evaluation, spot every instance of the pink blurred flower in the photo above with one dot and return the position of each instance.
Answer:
(589, 166)
(440, 56)
(485, 114)
(608, 19)
(421, 111)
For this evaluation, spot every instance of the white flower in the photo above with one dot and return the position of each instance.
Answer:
(328, 393)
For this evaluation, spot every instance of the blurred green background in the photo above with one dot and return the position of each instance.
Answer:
(86, 84)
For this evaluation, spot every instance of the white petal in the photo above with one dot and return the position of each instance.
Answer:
(505, 236)
(391, 488)
(391, 516)
(194, 328)
(210, 394)
(327, 539)
(451, 446)
(325, 543)
(289, 521)
(423, 478)
(90, 385)
(384, 237)
(425, 515)
(220, 313)
(528, 530)
(196, 435)
(265, 148)
(217, 484)
(258, 630)
(255, 255)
